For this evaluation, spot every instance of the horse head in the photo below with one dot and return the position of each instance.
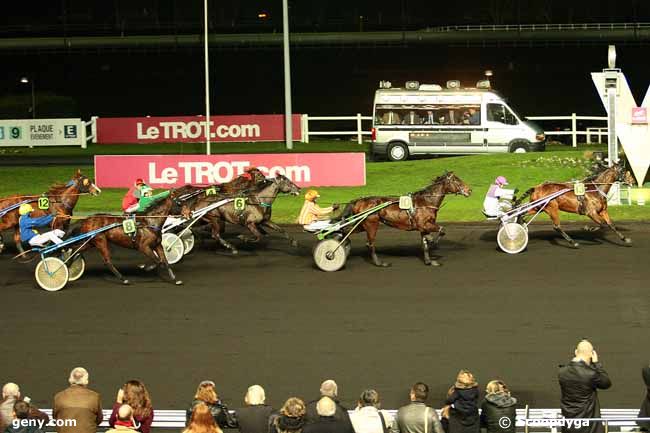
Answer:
(255, 174)
(285, 185)
(454, 184)
(84, 184)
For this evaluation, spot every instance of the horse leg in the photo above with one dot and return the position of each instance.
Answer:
(439, 234)
(273, 226)
(217, 229)
(102, 246)
(159, 256)
(604, 215)
(371, 233)
(17, 240)
(425, 248)
(552, 211)
(252, 227)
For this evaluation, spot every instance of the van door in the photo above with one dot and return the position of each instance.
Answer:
(502, 127)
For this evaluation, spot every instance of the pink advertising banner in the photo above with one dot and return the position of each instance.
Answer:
(192, 129)
(167, 171)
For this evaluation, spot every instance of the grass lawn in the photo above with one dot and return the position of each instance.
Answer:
(383, 178)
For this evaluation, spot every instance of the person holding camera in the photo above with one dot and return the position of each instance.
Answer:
(580, 381)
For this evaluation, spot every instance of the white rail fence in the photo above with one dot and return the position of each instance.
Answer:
(360, 131)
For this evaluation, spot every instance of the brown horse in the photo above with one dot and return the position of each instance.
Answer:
(594, 204)
(63, 199)
(147, 238)
(256, 214)
(251, 177)
(422, 217)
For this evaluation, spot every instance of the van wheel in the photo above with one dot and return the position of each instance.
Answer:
(398, 152)
(519, 147)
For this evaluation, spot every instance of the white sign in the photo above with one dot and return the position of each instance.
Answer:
(42, 132)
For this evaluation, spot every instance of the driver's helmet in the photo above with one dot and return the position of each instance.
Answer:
(25, 208)
(501, 180)
(146, 191)
(311, 195)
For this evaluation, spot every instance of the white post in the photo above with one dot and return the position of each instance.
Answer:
(359, 130)
(305, 128)
(207, 78)
(93, 127)
(288, 127)
(573, 130)
(83, 134)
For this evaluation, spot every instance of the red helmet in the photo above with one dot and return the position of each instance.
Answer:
(139, 181)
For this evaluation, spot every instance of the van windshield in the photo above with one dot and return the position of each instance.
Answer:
(439, 114)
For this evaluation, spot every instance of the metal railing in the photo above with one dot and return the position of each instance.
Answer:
(359, 132)
(541, 27)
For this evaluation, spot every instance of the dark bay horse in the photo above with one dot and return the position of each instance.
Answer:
(426, 203)
(251, 177)
(147, 239)
(594, 204)
(63, 199)
(256, 214)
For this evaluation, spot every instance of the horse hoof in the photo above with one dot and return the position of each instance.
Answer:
(294, 244)
(627, 241)
(2, 248)
(234, 252)
(435, 263)
(178, 282)
(575, 245)
(384, 265)
(142, 266)
(126, 282)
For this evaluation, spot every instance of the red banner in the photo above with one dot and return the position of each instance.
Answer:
(166, 171)
(188, 129)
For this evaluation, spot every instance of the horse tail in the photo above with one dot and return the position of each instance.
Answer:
(348, 210)
(524, 196)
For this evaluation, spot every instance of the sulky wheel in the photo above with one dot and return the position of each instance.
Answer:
(347, 247)
(512, 238)
(51, 274)
(76, 268)
(188, 241)
(173, 247)
(329, 257)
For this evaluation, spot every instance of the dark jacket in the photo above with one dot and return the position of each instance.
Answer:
(329, 424)
(644, 412)
(496, 407)
(279, 423)
(7, 410)
(463, 415)
(81, 404)
(143, 422)
(219, 412)
(410, 419)
(254, 419)
(340, 414)
(26, 429)
(579, 383)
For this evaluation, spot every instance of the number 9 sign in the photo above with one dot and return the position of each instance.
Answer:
(15, 132)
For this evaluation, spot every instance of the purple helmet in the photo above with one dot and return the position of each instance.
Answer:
(500, 180)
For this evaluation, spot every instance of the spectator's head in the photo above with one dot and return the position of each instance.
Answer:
(21, 410)
(293, 408)
(329, 388)
(584, 351)
(497, 387)
(206, 392)
(419, 392)
(325, 407)
(369, 397)
(137, 396)
(125, 413)
(465, 379)
(10, 389)
(202, 420)
(255, 395)
(78, 376)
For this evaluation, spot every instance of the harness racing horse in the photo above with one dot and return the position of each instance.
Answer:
(594, 204)
(147, 238)
(63, 199)
(255, 215)
(251, 177)
(422, 217)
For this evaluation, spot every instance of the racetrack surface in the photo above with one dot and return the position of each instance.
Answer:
(268, 316)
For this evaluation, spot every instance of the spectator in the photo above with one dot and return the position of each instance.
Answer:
(327, 423)
(462, 404)
(254, 417)
(134, 394)
(417, 417)
(291, 418)
(412, 118)
(78, 403)
(645, 406)
(124, 421)
(329, 388)
(11, 395)
(367, 418)
(206, 393)
(579, 382)
(21, 412)
(202, 420)
(497, 406)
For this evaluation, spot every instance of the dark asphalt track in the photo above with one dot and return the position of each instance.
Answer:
(269, 317)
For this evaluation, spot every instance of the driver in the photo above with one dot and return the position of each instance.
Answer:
(497, 199)
(313, 217)
(133, 196)
(29, 226)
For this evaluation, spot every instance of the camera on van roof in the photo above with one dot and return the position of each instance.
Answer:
(412, 85)
(453, 84)
(385, 84)
(483, 84)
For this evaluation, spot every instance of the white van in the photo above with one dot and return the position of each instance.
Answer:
(427, 119)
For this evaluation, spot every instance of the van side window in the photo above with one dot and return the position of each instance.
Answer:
(500, 113)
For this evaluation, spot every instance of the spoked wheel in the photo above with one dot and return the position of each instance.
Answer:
(51, 274)
(512, 238)
(76, 268)
(173, 247)
(329, 257)
(188, 241)
(347, 247)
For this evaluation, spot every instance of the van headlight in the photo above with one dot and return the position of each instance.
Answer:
(540, 137)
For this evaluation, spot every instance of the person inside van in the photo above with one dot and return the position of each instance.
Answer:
(498, 199)
(412, 118)
(430, 119)
(391, 118)
(472, 117)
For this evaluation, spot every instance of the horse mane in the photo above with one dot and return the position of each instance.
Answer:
(57, 188)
